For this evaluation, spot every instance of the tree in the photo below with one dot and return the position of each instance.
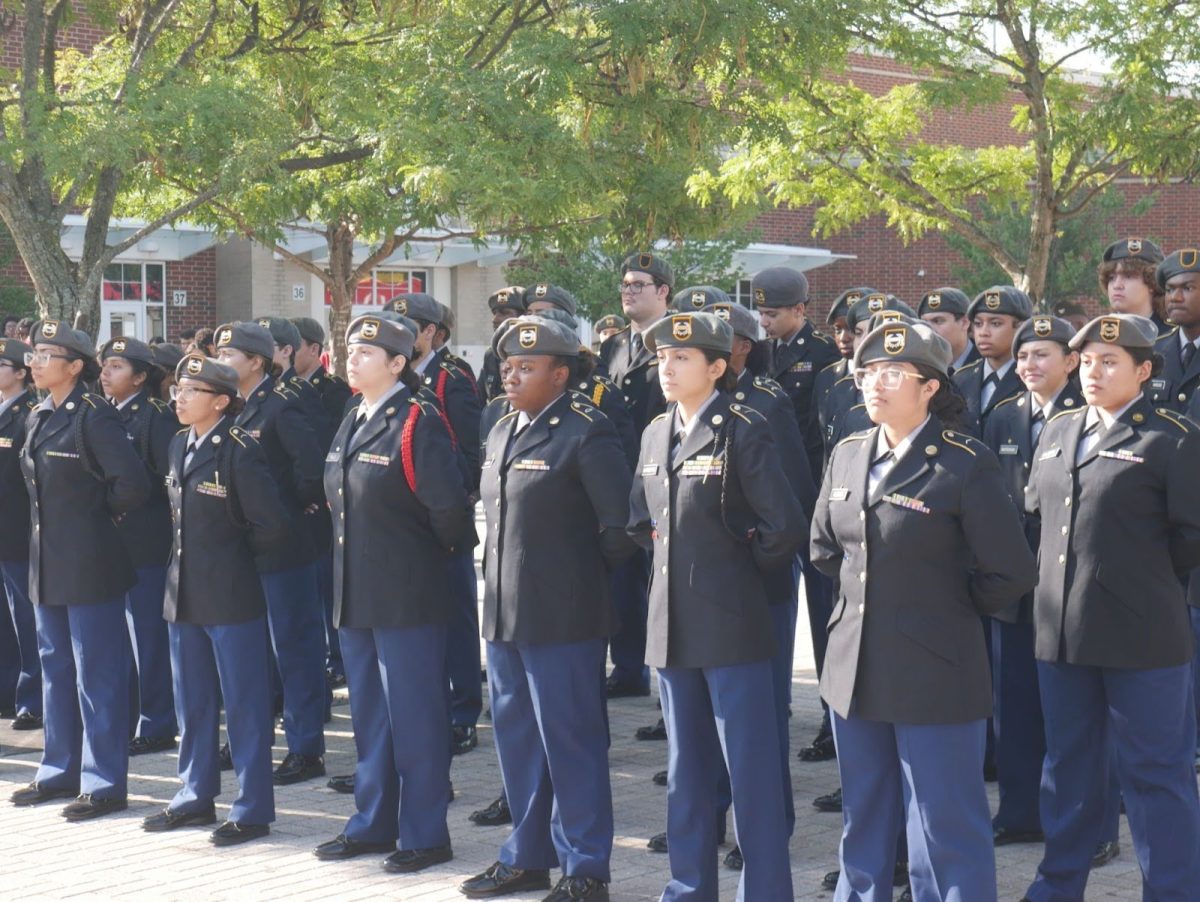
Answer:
(825, 141)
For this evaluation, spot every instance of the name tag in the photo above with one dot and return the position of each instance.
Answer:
(332, 457)
(650, 470)
(170, 482)
(70, 455)
(1123, 455)
(487, 463)
(213, 489)
(256, 433)
(531, 465)
(803, 366)
(1053, 452)
(380, 460)
(1158, 385)
(1009, 449)
(841, 493)
(5, 442)
(911, 504)
(703, 465)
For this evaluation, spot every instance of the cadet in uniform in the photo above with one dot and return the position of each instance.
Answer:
(274, 416)
(946, 310)
(915, 523)
(81, 472)
(167, 356)
(645, 290)
(1114, 484)
(706, 501)
(16, 401)
(1046, 365)
(227, 510)
(608, 326)
(995, 315)
(400, 510)
(1127, 278)
(504, 304)
(555, 484)
(130, 377)
(838, 326)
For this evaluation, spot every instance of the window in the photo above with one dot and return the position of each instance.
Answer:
(131, 296)
(384, 284)
(742, 294)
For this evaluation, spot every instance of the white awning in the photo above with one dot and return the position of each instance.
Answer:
(755, 257)
(177, 242)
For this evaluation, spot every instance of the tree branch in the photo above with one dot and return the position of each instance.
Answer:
(304, 164)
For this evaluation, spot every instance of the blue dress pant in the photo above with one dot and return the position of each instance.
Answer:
(462, 641)
(1017, 724)
(297, 625)
(333, 654)
(629, 583)
(27, 667)
(151, 655)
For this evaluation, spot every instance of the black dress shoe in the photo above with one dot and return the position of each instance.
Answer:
(822, 749)
(334, 679)
(232, 833)
(170, 820)
(1002, 836)
(225, 757)
(733, 859)
(408, 861)
(500, 880)
(36, 793)
(464, 739)
(87, 807)
(343, 847)
(570, 888)
(830, 880)
(900, 874)
(343, 784)
(615, 688)
(660, 778)
(298, 768)
(657, 843)
(830, 803)
(989, 773)
(26, 721)
(1105, 852)
(142, 745)
(656, 733)
(494, 815)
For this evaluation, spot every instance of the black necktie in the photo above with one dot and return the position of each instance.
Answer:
(1035, 426)
(676, 441)
(42, 415)
(883, 458)
(359, 419)
(1186, 354)
(635, 345)
(991, 379)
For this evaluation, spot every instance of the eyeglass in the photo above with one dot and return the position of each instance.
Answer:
(188, 391)
(632, 287)
(43, 357)
(889, 379)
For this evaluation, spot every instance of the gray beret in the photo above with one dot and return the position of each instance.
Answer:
(698, 297)
(612, 321)
(551, 294)
(212, 372)
(904, 342)
(558, 315)
(130, 349)
(167, 355)
(846, 300)
(779, 286)
(14, 351)
(536, 336)
(890, 316)
(690, 330)
(310, 330)
(55, 332)
(283, 331)
(743, 322)
(513, 296)
(1133, 248)
(249, 338)
(650, 264)
(1002, 299)
(1127, 330)
(866, 307)
(418, 306)
(1180, 262)
(393, 337)
(1043, 328)
(944, 300)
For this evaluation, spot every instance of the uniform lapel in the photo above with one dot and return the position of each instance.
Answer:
(203, 454)
(537, 432)
(1024, 439)
(58, 420)
(1121, 430)
(913, 465)
(1004, 388)
(703, 431)
(15, 409)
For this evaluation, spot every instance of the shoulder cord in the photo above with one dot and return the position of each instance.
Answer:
(406, 447)
(441, 399)
(85, 455)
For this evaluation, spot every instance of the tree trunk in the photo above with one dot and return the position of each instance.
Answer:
(342, 281)
(1041, 241)
(54, 275)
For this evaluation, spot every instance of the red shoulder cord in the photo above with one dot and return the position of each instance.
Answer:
(441, 398)
(406, 447)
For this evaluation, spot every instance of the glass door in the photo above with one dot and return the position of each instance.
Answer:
(121, 318)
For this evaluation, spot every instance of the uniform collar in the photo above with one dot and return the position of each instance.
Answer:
(524, 419)
(685, 431)
(366, 411)
(1001, 372)
(901, 448)
(1097, 413)
(197, 442)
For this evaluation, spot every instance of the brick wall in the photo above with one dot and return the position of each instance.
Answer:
(197, 275)
(80, 34)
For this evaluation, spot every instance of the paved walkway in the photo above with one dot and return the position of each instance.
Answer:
(44, 857)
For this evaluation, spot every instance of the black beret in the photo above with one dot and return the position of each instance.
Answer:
(208, 370)
(1133, 248)
(904, 342)
(310, 330)
(380, 332)
(1043, 328)
(551, 294)
(744, 322)
(779, 286)
(283, 331)
(867, 306)
(1002, 299)
(536, 335)
(944, 300)
(130, 349)
(513, 296)
(652, 265)
(690, 330)
(55, 332)
(418, 306)
(14, 350)
(698, 297)
(612, 321)
(1180, 262)
(249, 338)
(1127, 330)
